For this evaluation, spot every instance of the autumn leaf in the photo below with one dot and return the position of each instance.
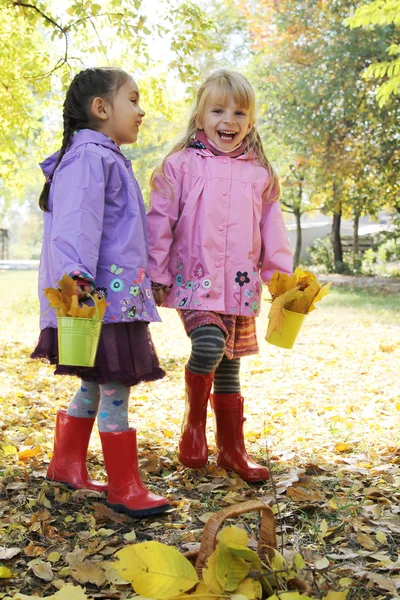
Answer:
(230, 569)
(155, 570)
(88, 572)
(43, 570)
(5, 573)
(68, 592)
(297, 293)
(209, 572)
(68, 286)
(66, 301)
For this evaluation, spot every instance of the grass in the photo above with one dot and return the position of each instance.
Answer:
(384, 306)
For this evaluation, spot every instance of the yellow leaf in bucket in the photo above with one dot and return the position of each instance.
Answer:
(281, 283)
(324, 291)
(86, 312)
(74, 310)
(302, 302)
(275, 316)
(67, 285)
(101, 304)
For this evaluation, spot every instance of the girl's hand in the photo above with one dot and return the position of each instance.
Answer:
(83, 291)
(159, 296)
(160, 293)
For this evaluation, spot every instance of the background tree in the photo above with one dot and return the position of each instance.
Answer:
(308, 65)
(47, 44)
(385, 13)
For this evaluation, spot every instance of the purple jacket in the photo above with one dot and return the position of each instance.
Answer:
(96, 226)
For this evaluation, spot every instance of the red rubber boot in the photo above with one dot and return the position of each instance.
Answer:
(193, 449)
(232, 454)
(126, 491)
(68, 463)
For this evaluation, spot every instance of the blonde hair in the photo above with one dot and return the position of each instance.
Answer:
(222, 85)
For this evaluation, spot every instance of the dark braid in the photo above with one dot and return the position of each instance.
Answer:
(86, 85)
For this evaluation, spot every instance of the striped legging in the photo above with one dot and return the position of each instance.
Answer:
(208, 355)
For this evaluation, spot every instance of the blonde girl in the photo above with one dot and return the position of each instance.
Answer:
(216, 232)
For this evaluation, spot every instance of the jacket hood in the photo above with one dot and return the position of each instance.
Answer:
(83, 136)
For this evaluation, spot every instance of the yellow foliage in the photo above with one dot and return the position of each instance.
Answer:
(233, 536)
(156, 570)
(250, 588)
(67, 592)
(209, 572)
(230, 569)
(297, 293)
(5, 573)
(65, 301)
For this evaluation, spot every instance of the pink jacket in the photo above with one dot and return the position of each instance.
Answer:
(218, 235)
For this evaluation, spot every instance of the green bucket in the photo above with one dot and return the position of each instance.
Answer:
(78, 340)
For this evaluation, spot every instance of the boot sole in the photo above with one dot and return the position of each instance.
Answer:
(186, 462)
(72, 487)
(246, 479)
(120, 508)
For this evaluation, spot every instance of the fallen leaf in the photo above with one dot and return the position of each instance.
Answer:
(43, 570)
(89, 572)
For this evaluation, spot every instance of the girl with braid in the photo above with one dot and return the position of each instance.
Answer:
(215, 232)
(94, 229)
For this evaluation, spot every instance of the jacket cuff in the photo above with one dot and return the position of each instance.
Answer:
(83, 278)
(161, 279)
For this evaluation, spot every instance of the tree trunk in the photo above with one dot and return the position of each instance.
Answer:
(296, 257)
(337, 242)
(355, 234)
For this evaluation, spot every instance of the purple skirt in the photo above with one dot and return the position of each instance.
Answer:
(126, 354)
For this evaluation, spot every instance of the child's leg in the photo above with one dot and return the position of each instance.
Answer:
(208, 346)
(227, 405)
(126, 491)
(113, 409)
(85, 403)
(227, 376)
(71, 440)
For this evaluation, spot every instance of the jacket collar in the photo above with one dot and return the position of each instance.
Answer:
(89, 136)
(250, 155)
(83, 136)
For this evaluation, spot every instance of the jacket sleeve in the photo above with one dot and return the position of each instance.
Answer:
(276, 253)
(161, 219)
(78, 196)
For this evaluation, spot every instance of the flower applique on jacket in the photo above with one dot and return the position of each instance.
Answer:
(139, 303)
(249, 297)
(187, 295)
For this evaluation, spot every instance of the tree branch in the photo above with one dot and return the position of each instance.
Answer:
(61, 61)
(41, 13)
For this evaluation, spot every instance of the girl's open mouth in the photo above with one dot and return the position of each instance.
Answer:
(228, 136)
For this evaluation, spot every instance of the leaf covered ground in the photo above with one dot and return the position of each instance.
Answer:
(324, 416)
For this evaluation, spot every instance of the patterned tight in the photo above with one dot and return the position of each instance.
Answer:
(208, 355)
(108, 401)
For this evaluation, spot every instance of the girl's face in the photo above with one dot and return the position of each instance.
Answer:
(224, 122)
(124, 115)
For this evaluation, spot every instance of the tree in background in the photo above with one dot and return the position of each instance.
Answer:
(385, 13)
(48, 43)
(308, 65)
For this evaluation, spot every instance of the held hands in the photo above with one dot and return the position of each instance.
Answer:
(160, 293)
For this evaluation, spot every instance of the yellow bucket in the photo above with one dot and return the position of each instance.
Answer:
(291, 327)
